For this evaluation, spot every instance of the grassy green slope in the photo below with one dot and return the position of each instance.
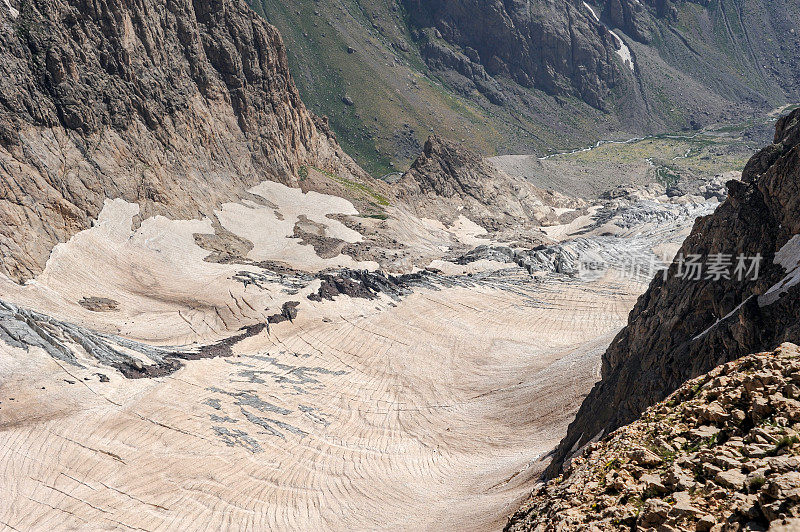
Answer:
(397, 101)
(703, 69)
(741, 51)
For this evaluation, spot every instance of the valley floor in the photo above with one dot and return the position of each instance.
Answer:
(423, 416)
(430, 411)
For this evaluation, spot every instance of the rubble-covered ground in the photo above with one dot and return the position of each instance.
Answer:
(720, 454)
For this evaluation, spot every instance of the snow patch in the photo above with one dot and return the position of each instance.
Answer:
(731, 313)
(14, 12)
(788, 257)
(622, 51)
(271, 228)
(592, 11)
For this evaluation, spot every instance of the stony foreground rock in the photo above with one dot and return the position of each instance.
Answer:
(681, 327)
(720, 454)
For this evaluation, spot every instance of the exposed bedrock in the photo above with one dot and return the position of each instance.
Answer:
(682, 328)
(176, 106)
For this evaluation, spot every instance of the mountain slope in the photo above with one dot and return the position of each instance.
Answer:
(177, 107)
(681, 328)
(557, 47)
(742, 50)
(515, 77)
(404, 82)
(722, 453)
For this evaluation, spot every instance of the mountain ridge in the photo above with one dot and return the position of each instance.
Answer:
(178, 107)
(413, 68)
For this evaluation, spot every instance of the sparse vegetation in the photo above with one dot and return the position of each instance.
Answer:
(757, 482)
(378, 198)
(783, 443)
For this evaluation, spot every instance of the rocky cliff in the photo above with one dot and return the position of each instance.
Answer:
(682, 327)
(448, 180)
(721, 453)
(176, 105)
(744, 51)
(556, 46)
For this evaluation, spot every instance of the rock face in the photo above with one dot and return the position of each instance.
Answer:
(543, 75)
(720, 453)
(447, 171)
(177, 106)
(637, 59)
(682, 328)
(552, 45)
(725, 40)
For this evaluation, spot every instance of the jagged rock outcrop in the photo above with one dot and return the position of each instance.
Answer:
(176, 105)
(633, 17)
(681, 328)
(721, 453)
(447, 171)
(553, 45)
